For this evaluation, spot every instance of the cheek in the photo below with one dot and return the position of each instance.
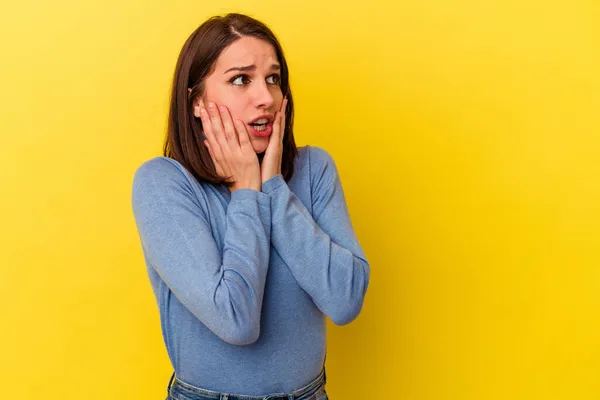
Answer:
(277, 99)
(234, 104)
(236, 109)
(224, 95)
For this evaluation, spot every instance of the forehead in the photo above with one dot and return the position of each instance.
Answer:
(246, 51)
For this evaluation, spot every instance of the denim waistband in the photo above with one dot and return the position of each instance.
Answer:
(180, 390)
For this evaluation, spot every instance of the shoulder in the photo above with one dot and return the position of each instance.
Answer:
(321, 163)
(315, 158)
(319, 168)
(159, 167)
(163, 190)
(162, 181)
(161, 171)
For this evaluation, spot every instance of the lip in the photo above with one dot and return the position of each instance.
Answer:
(269, 117)
(264, 133)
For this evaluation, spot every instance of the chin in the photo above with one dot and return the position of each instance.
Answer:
(260, 146)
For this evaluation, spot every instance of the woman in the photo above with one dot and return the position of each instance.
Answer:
(247, 239)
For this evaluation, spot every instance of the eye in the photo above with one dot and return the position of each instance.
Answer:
(274, 79)
(239, 80)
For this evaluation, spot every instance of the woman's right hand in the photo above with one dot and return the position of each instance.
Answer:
(228, 143)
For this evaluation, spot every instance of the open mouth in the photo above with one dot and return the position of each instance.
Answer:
(260, 125)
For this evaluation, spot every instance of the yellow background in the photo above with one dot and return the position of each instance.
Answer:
(467, 137)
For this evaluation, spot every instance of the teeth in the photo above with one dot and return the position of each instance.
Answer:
(261, 121)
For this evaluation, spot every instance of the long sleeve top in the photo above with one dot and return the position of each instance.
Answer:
(243, 280)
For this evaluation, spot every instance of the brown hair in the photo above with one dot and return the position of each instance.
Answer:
(184, 141)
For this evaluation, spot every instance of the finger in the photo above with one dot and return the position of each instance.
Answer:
(283, 104)
(230, 133)
(243, 136)
(284, 108)
(221, 171)
(277, 126)
(217, 126)
(210, 136)
(218, 167)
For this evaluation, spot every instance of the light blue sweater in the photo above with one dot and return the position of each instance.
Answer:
(243, 280)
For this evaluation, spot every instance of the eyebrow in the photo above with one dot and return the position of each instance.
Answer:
(274, 67)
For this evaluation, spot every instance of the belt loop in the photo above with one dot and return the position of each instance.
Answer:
(224, 397)
(170, 383)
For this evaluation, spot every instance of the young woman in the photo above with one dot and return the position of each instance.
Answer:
(247, 239)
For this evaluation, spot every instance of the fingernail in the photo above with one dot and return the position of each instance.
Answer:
(211, 106)
(222, 109)
(202, 111)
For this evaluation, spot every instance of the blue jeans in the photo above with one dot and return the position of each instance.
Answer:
(179, 390)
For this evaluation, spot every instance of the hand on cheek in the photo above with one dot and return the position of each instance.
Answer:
(229, 146)
(271, 163)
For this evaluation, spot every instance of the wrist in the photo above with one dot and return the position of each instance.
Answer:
(273, 183)
(255, 188)
(252, 186)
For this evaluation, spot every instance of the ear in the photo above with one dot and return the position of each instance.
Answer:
(198, 101)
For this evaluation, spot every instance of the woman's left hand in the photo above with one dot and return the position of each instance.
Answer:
(271, 163)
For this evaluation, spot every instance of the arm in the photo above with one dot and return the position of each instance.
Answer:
(323, 253)
(224, 291)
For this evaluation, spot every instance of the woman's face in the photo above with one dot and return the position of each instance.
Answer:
(246, 80)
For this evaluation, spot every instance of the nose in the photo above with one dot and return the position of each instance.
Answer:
(262, 96)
